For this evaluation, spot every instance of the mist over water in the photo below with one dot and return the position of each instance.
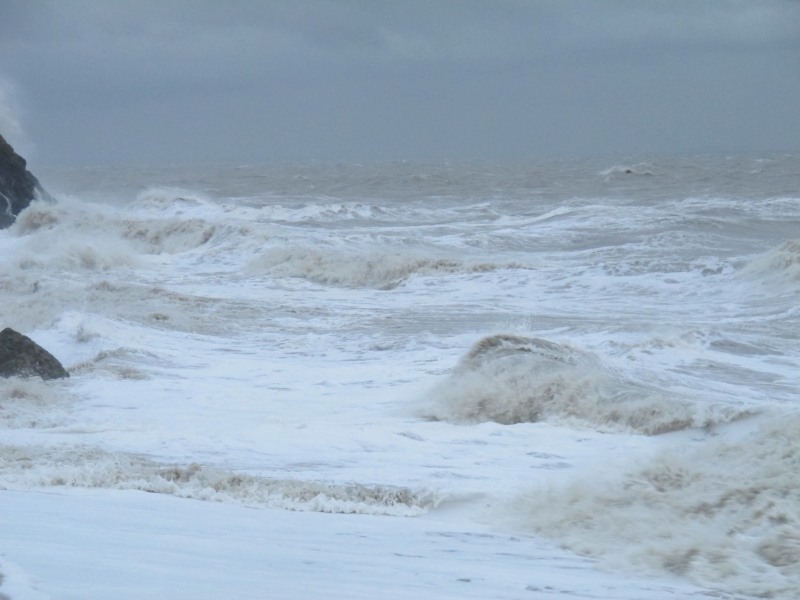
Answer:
(380, 338)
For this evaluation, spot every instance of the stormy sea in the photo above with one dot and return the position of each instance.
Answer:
(406, 380)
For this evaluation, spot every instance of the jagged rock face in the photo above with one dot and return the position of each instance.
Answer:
(17, 185)
(20, 356)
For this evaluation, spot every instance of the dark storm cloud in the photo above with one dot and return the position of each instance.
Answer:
(246, 81)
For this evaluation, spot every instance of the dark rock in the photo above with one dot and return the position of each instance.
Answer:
(22, 357)
(17, 185)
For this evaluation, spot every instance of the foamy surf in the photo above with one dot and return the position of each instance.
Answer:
(29, 467)
(726, 515)
(511, 379)
(30, 403)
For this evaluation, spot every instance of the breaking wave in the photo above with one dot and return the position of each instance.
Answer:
(339, 269)
(727, 515)
(26, 467)
(67, 225)
(784, 260)
(510, 379)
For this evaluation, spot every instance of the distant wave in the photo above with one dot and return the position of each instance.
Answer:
(335, 211)
(725, 515)
(511, 379)
(380, 271)
(163, 198)
(26, 467)
(322, 210)
(621, 171)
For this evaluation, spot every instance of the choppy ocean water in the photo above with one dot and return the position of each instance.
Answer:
(584, 358)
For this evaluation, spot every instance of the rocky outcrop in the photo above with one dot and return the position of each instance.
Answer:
(20, 356)
(17, 185)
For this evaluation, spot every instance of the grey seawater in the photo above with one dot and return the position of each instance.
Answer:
(629, 256)
(636, 296)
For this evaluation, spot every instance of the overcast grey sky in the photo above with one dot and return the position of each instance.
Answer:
(145, 81)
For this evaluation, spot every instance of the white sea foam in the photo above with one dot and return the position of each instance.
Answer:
(32, 403)
(27, 467)
(32, 300)
(511, 379)
(16, 584)
(727, 515)
(78, 256)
